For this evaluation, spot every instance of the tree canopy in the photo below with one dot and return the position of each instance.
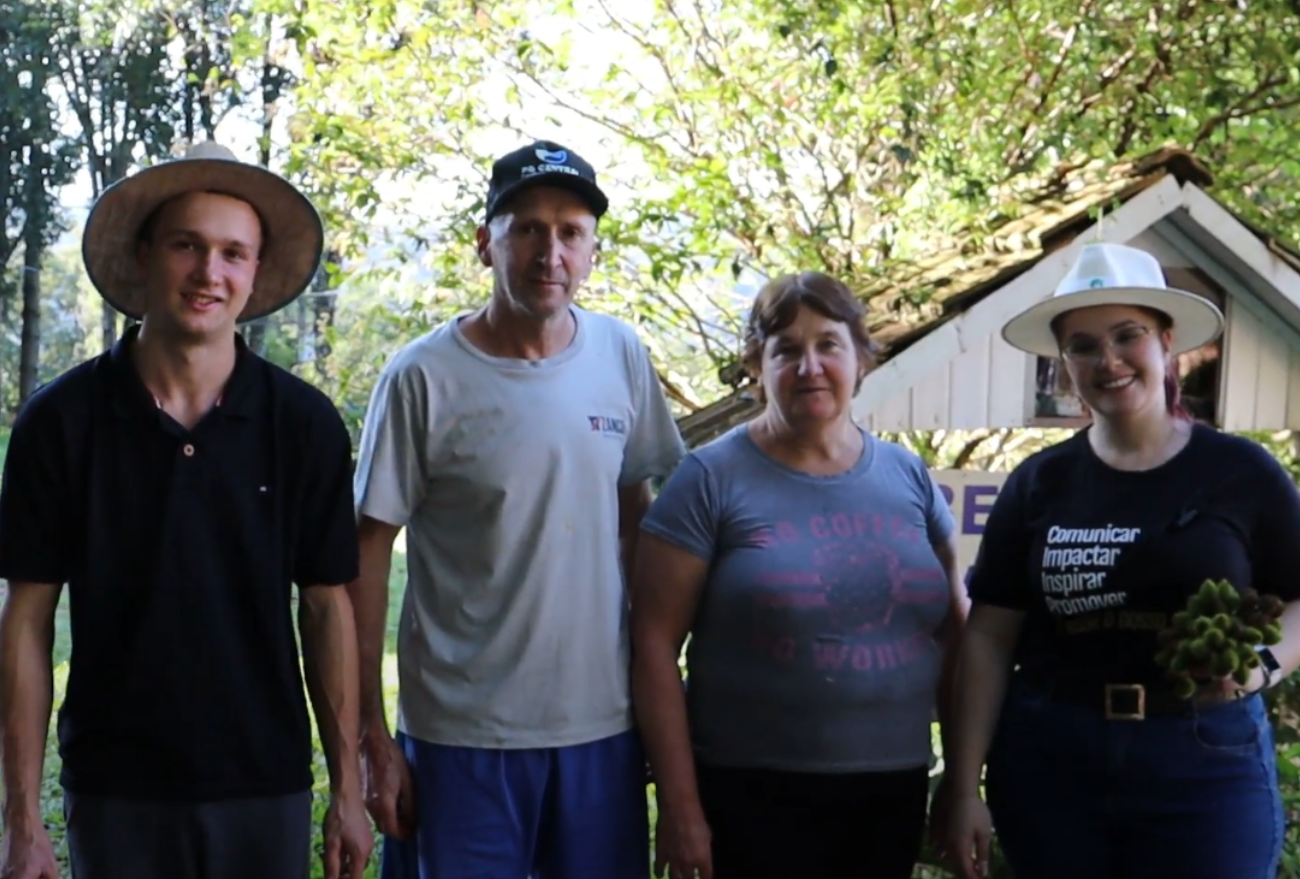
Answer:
(746, 140)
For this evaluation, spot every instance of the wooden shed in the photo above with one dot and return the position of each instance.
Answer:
(945, 365)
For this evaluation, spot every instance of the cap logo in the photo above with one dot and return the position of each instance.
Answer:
(1097, 282)
(549, 157)
(530, 170)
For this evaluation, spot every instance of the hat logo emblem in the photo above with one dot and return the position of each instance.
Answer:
(547, 157)
(1097, 282)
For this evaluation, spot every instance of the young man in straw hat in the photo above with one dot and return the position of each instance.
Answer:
(180, 485)
(515, 445)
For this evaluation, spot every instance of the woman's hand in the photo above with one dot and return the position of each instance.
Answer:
(969, 833)
(940, 817)
(683, 844)
(1207, 684)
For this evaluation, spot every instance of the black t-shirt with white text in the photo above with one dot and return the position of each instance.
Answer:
(1222, 508)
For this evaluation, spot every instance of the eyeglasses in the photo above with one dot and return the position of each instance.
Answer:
(1122, 341)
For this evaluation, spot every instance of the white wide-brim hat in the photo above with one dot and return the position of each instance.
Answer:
(294, 237)
(1115, 274)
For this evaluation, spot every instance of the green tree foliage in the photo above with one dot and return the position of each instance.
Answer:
(115, 77)
(35, 162)
(788, 134)
(31, 148)
(738, 140)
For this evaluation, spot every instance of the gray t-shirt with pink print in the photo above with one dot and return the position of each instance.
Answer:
(814, 648)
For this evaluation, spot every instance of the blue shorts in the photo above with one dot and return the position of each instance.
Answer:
(576, 812)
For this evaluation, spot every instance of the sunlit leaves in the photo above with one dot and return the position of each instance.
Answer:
(35, 158)
(750, 139)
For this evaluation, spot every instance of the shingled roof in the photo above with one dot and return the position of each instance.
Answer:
(915, 299)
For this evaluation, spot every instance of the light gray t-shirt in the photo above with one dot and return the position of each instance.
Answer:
(505, 473)
(814, 647)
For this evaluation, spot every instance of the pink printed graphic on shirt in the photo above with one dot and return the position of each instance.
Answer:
(845, 610)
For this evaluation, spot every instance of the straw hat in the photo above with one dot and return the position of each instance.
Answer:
(291, 252)
(1115, 274)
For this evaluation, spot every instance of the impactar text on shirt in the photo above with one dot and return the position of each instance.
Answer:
(1076, 562)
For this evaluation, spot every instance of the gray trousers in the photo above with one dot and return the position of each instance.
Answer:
(110, 838)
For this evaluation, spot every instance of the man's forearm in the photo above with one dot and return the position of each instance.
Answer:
(26, 698)
(330, 665)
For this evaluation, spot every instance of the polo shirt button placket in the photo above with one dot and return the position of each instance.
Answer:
(188, 450)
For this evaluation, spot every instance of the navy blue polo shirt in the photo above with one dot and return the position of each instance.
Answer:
(180, 549)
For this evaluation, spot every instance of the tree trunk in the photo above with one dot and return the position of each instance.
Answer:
(29, 356)
(255, 336)
(305, 337)
(323, 312)
(323, 306)
(271, 88)
(29, 359)
(109, 326)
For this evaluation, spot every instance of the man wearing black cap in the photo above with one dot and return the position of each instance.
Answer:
(515, 445)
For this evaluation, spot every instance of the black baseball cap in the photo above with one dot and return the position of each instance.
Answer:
(544, 163)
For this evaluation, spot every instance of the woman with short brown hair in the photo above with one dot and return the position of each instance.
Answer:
(814, 568)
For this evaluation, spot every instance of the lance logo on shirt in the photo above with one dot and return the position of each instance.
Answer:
(607, 425)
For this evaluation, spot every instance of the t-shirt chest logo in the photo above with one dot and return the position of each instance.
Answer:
(608, 426)
(1076, 562)
(854, 609)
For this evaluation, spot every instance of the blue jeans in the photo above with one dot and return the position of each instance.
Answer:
(1077, 796)
(577, 812)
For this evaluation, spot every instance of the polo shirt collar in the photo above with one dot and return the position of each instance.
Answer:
(131, 395)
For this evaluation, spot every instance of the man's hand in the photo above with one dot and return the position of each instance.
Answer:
(26, 853)
(390, 789)
(348, 838)
(26, 698)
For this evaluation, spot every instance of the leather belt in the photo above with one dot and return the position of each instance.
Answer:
(1126, 701)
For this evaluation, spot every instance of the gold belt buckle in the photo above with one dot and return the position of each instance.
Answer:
(1140, 695)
